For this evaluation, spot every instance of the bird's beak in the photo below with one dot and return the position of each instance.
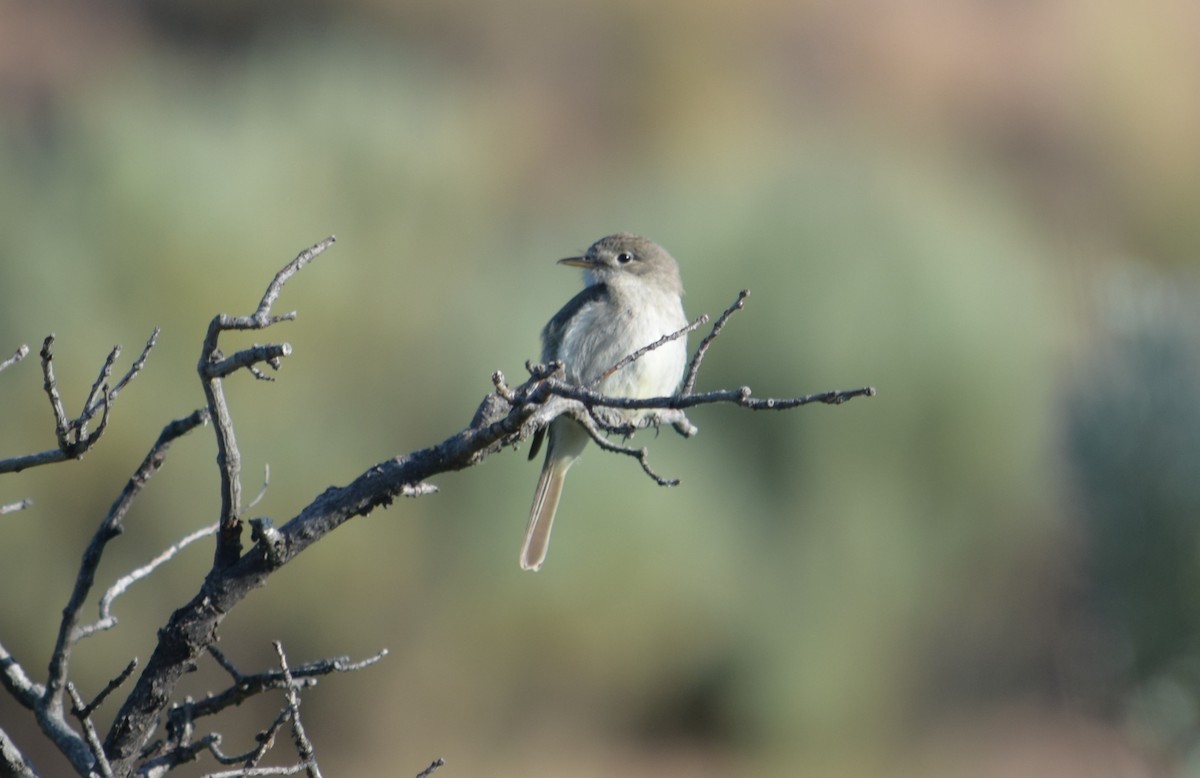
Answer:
(576, 262)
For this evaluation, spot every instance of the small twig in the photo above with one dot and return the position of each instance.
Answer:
(689, 380)
(107, 620)
(95, 398)
(99, 390)
(631, 358)
(108, 689)
(248, 759)
(256, 772)
(137, 365)
(246, 686)
(213, 367)
(50, 385)
(16, 682)
(642, 455)
(226, 664)
(248, 358)
(71, 435)
(432, 768)
(304, 746)
(69, 632)
(93, 740)
(741, 396)
(17, 356)
(13, 507)
(418, 489)
(13, 763)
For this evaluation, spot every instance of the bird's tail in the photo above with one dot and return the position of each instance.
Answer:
(541, 515)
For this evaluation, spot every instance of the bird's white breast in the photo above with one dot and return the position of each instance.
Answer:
(634, 316)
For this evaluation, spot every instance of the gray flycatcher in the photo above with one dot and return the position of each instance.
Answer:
(631, 298)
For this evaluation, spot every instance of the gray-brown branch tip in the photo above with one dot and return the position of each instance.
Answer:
(17, 356)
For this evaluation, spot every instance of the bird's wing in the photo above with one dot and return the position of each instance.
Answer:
(552, 333)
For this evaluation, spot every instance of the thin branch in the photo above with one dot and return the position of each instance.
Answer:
(246, 686)
(71, 435)
(13, 507)
(248, 358)
(213, 367)
(251, 758)
(741, 397)
(93, 740)
(432, 768)
(262, 492)
(99, 391)
(12, 762)
(137, 365)
(69, 632)
(304, 746)
(95, 398)
(18, 355)
(16, 682)
(642, 455)
(108, 689)
(50, 385)
(689, 380)
(107, 620)
(161, 765)
(181, 717)
(30, 694)
(665, 339)
(255, 772)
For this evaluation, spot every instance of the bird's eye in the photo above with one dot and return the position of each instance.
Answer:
(624, 258)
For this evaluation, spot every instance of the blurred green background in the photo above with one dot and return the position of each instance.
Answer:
(987, 210)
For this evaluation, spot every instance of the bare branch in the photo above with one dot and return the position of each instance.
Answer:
(13, 507)
(741, 397)
(71, 435)
(18, 355)
(254, 772)
(17, 683)
(213, 367)
(137, 365)
(304, 747)
(12, 762)
(665, 339)
(251, 758)
(248, 358)
(262, 492)
(50, 385)
(642, 455)
(107, 620)
(108, 689)
(181, 717)
(93, 740)
(96, 398)
(99, 392)
(432, 768)
(689, 380)
(69, 632)
(30, 694)
(246, 686)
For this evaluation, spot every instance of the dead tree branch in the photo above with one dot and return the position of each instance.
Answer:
(214, 367)
(21, 352)
(72, 435)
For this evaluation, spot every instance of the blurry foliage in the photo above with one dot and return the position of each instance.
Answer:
(921, 197)
(1135, 442)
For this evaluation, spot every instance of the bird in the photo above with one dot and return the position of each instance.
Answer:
(632, 297)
